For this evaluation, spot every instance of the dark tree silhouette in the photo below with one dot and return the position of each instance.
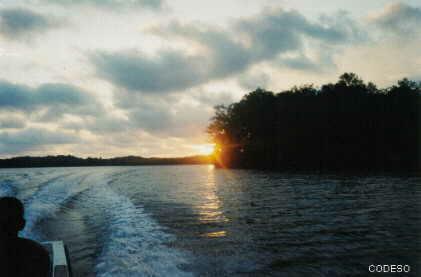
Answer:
(349, 125)
(65, 161)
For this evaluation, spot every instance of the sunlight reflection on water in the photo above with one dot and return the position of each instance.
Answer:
(211, 209)
(218, 234)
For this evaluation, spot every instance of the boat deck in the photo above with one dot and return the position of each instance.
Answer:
(59, 258)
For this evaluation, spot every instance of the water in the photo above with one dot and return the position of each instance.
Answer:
(201, 221)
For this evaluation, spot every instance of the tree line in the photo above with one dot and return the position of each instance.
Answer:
(343, 126)
(70, 161)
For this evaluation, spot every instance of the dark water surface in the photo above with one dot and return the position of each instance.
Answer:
(201, 221)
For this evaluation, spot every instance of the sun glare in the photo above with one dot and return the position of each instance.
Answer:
(206, 149)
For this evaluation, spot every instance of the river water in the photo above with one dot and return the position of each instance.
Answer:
(202, 221)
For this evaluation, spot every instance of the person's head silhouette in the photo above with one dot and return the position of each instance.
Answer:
(19, 257)
(11, 216)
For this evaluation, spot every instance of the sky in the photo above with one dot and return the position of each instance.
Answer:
(106, 78)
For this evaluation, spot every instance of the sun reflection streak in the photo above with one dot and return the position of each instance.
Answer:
(210, 210)
(218, 234)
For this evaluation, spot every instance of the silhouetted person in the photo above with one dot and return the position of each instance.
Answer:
(19, 256)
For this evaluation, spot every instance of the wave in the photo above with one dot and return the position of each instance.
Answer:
(7, 188)
(133, 243)
(48, 200)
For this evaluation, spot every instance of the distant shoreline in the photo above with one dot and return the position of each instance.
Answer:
(72, 161)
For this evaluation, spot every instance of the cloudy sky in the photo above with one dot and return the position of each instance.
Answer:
(140, 77)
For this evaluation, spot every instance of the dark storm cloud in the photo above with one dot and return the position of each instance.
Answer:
(400, 18)
(57, 99)
(228, 52)
(17, 22)
(274, 32)
(22, 97)
(170, 71)
(13, 142)
(22, 106)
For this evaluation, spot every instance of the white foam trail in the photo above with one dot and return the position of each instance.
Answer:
(6, 188)
(48, 199)
(10, 181)
(134, 244)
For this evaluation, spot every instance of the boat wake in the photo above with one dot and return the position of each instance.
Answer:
(134, 244)
(131, 242)
(7, 188)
